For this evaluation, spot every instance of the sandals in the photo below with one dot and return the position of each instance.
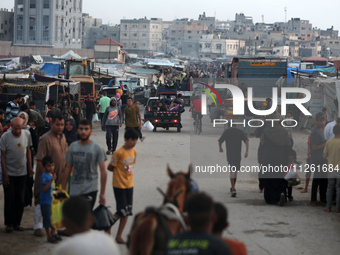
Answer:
(327, 210)
(53, 239)
(19, 228)
(9, 229)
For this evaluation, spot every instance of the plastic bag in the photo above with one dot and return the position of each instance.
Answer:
(292, 177)
(103, 218)
(95, 117)
(57, 206)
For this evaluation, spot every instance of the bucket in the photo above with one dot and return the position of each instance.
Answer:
(148, 126)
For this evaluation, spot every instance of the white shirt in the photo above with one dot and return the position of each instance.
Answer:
(328, 131)
(147, 93)
(88, 243)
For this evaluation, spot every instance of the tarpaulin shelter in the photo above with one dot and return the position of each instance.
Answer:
(52, 69)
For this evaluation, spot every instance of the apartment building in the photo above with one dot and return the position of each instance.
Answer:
(49, 23)
(88, 22)
(140, 36)
(213, 48)
(6, 24)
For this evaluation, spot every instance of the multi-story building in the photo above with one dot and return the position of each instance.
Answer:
(213, 48)
(100, 33)
(140, 36)
(6, 25)
(50, 23)
(88, 22)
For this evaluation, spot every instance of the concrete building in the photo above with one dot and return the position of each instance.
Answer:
(209, 21)
(6, 24)
(88, 22)
(242, 23)
(96, 34)
(281, 51)
(110, 49)
(140, 36)
(184, 31)
(214, 48)
(49, 23)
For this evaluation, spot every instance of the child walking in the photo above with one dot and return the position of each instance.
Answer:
(121, 165)
(46, 193)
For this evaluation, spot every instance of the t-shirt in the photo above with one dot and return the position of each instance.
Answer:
(76, 117)
(84, 159)
(12, 110)
(197, 105)
(46, 196)
(332, 149)
(233, 138)
(36, 118)
(131, 119)
(16, 148)
(328, 131)
(316, 137)
(88, 243)
(123, 162)
(236, 247)
(104, 102)
(89, 106)
(146, 93)
(196, 243)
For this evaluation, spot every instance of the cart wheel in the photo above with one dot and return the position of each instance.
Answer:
(154, 129)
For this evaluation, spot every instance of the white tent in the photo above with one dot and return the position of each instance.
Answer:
(70, 54)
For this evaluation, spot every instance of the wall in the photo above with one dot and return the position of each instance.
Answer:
(7, 50)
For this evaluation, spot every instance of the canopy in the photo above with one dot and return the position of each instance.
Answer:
(52, 69)
(70, 54)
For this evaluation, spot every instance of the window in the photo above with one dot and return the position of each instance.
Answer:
(144, 44)
(156, 26)
(74, 5)
(2, 26)
(125, 35)
(153, 36)
(125, 27)
(143, 35)
(5, 22)
(189, 46)
(33, 4)
(173, 31)
(19, 38)
(218, 46)
(153, 26)
(134, 26)
(57, 4)
(19, 27)
(32, 28)
(134, 45)
(189, 32)
(46, 4)
(134, 35)
(31, 38)
(144, 26)
(207, 45)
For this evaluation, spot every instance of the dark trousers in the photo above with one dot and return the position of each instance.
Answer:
(139, 132)
(112, 133)
(89, 116)
(14, 196)
(322, 184)
(91, 197)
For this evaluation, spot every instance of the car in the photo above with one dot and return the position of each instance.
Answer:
(111, 91)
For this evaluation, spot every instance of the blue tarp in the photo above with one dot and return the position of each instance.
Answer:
(290, 78)
(51, 69)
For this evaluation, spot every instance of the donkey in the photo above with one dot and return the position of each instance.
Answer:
(152, 228)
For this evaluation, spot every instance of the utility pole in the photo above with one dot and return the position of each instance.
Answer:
(110, 51)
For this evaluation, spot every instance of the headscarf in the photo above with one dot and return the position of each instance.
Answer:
(24, 125)
(72, 135)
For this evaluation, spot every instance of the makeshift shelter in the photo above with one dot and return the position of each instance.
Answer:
(52, 69)
(70, 54)
(317, 60)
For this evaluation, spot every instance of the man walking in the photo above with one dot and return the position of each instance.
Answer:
(75, 110)
(112, 120)
(90, 107)
(317, 144)
(233, 138)
(133, 118)
(12, 108)
(146, 95)
(84, 156)
(15, 158)
(104, 102)
(53, 144)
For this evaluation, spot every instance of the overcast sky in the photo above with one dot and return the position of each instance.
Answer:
(321, 13)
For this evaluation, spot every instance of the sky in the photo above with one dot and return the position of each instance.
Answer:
(321, 13)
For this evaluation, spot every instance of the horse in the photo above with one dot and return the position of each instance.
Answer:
(153, 227)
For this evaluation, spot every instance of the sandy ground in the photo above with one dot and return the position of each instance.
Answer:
(296, 228)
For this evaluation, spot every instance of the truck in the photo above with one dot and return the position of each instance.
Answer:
(78, 70)
(259, 73)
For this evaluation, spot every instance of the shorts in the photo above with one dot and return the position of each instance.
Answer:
(234, 166)
(123, 201)
(46, 212)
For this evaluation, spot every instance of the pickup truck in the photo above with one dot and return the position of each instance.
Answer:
(164, 119)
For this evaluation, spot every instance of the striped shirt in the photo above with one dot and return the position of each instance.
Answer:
(12, 110)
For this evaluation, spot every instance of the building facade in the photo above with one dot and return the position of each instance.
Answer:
(88, 22)
(49, 23)
(6, 24)
(213, 48)
(140, 36)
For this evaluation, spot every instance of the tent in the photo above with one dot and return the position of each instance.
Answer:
(70, 54)
(52, 69)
